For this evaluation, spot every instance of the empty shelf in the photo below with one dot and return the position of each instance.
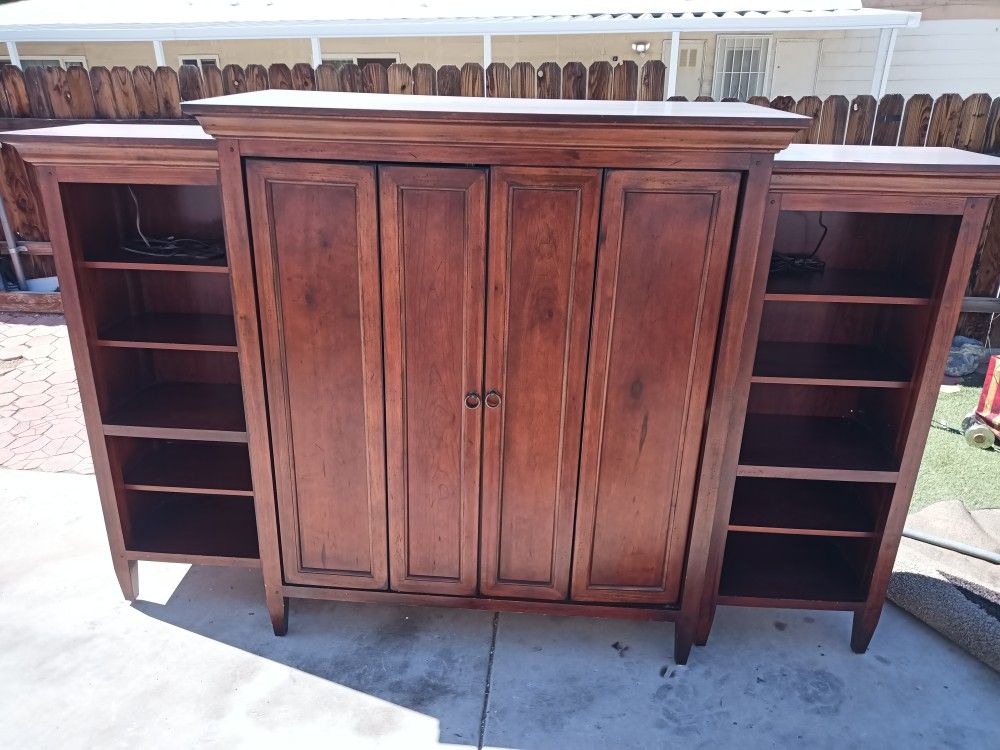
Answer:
(826, 364)
(172, 331)
(191, 411)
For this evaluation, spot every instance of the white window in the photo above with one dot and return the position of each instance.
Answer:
(199, 60)
(385, 59)
(43, 61)
(741, 66)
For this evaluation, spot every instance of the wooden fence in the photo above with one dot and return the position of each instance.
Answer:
(40, 96)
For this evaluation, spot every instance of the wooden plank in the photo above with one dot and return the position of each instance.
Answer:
(31, 302)
(58, 90)
(760, 101)
(349, 78)
(783, 103)
(15, 90)
(279, 76)
(498, 80)
(256, 78)
(5, 110)
(168, 92)
(810, 106)
(833, 120)
(399, 78)
(234, 79)
(374, 79)
(303, 77)
(888, 118)
(190, 83)
(984, 278)
(472, 80)
(144, 81)
(574, 84)
(212, 76)
(991, 141)
(625, 81)
(103, 89)
(38, 94)
(449, 81)
(944, 120)
(123, 92)
(861, 121)
(973, 120)
(599, 80)
(652, 81)
(916, 119)
(327, 78)
(81, 98)
(522, 80)
(424, 79)
(549, 78)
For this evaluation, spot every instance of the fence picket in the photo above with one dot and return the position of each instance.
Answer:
(888, 118)
(279, 76)
(599, 80)
(498, 80)
(652, 81)
(38, 95)
(810, 106)
(522, 81)
(15, 91)
(303, 77)
(861, 121)
(374, 79)
(625, 81)
(146, 102)
(972, 122)
(944, 120)
(256, 78)
(472, 80)
(213, 80)
(549, 81)
(399, 78)
(916, 119)
(449, 81)
(103, 90)
(327, 78)
(168, 93)
(234, 79)
(189, 83)
(833, 120)
(424, 79)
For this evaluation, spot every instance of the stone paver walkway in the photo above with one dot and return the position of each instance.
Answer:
(41, 421)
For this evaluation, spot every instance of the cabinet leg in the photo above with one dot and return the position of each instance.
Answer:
(683, 640)
(704, 627)
(865, 621)
(277, 607)
(128, 578)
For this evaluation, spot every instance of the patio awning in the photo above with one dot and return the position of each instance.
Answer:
(116, 21)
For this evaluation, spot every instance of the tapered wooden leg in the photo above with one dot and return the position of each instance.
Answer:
(277, 607)
(704, 626)
(683, 640)
(128, 577)
(865, 621)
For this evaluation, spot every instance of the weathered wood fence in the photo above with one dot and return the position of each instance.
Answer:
(42, 96)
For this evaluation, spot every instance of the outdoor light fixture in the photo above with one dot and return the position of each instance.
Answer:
(641, 47)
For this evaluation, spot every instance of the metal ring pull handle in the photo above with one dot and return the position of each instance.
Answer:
(472, 400)
(493, 399)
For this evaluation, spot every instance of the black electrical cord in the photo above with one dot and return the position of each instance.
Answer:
(788, 264)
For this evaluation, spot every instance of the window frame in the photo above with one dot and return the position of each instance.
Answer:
(63, 60)
(352, 57)
(201, 58)
(718, 64)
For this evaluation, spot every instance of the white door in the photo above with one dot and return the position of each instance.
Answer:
(690, 66)
(795, 64)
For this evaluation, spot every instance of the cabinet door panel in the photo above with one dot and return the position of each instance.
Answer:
(543, 237)
(665, 239)
(316, 251)
(433, 226)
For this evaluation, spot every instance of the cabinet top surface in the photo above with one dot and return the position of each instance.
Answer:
(284, 102)
(104, 133)
(886, 158)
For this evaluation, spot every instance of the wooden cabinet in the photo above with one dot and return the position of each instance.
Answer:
(662, 263)
(315, 234)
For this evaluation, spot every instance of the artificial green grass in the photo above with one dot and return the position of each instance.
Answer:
(951, 469)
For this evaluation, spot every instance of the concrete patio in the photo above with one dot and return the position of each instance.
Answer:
(194, 664)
